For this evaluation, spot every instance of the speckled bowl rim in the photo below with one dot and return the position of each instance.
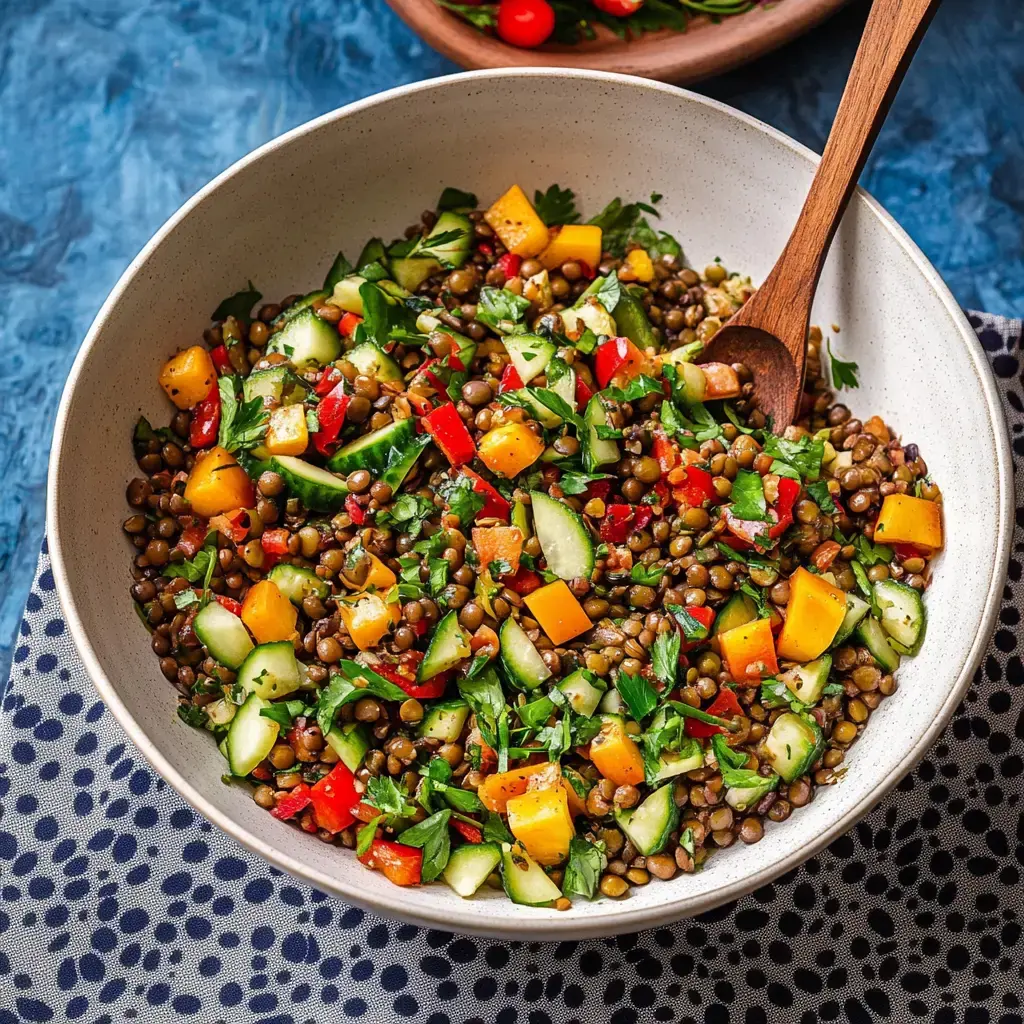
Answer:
(506, 923)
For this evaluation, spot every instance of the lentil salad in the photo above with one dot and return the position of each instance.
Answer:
(468, 566)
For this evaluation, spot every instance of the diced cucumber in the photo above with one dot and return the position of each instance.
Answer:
(562, 381)
(806, 682)
(737, 611)
(223, 634)
(671, 763)
(448, 645)
(368, 359)
(346, 294)
(220, 713)
(870, 633)
(454, 252)
(611, 703)
(301, 303)
(631, 321)
(375, 451)
(521, 518)
(250, 736)
(403, 462)
(793, 744)
(530, 354)
(856, 609)
(521, 659)
(524, 879)
(350, 742)
(296, 582)
(589, 312)
(411, 271)
(307, 341)
(470, 866)
(444, 722)
(584, 691)
(278, 383)
(903, 615)
(597, 451)
(271, 671)
(393, 289)
(547, 418)
(317, 489)
(742, 798)
(650, 824)
(563, 536)
(690, 377)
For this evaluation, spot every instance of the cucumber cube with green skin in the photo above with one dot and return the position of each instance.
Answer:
(470, 866)
(525, 881)
(903, 615)
(590, 313)
(530, 354)
(301, 303)
(271, 671)
(318, 489)
(793, 745)
(371, 361)
(870, 633)
(631, 321)
(307, 341)
(737, 611)
(856, 609)
(743, 798)
(444, 722)
(346, 294)
(650, 825)
(520, 658)
(597, 451)
(807, 682)
(584, 691)
(563, 536)
(223, 634)
(411, 271)
(448, 646)
(297, 583)
(277, 383)
(350, 742)
(250, 736)
(375, 451)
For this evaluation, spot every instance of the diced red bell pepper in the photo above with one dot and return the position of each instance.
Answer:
(298, 799)
(399, 863)
(661, 492)
(698, 487)
(222, 360)
(705, 616)
(205, 419)
(331, 416)
(233, 606)
(355, 511)
(588, 271)
(664, 451)
(621, 520)
(597, 489)
(725, 705)
(275, 542)
(262, 773)
(617, 356)
(468, 832)
(905, 551)
(430, 690)
(510, 264)
(751, 533)
(583, 393)
(510, 380)
(524, 581)
(348, 323)
(789, 491)
(486, 248)
(192, 539)
(331, 377)
(450, 434)
(495, 506)
(333, 798)
(232, 524)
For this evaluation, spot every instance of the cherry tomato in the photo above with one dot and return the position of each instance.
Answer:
(620, 8)
(525, 23)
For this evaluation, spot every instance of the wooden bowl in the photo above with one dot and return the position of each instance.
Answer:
(706, 48)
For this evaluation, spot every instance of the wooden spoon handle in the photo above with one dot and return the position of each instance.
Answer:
(782, 305)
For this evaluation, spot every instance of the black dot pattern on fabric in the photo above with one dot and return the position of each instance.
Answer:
(119, 903)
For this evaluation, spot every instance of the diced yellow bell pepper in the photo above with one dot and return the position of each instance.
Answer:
(287, 433)
(188, 377)
(905, 519)
(560, 615)
(516, 223)
(218, 483)
(616, 755)
(509, 449)
(367, 618)
(540, 820)
(268, 613)
(573, 242)
(749, 651)
(379, 578)
(637, 267)
(814, 614)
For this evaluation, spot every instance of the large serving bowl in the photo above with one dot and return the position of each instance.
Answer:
(732, 187)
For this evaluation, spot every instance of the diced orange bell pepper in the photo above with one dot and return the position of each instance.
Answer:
(498, 544)
(615, 753)
(379, 578)
(749, 651)
(560, 615)
(187, 377)
(722, 381)
(517, 224)
(540, 820)
(496, 790)
(509, 449)
(814, 614)
(287, 432)
(268, 613)
(573, 242)
(905, 519)
(367, 618)
(218, 483)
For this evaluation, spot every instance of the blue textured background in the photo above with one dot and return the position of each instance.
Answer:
(112, 112)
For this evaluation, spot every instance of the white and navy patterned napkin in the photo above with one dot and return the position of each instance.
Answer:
(119, 903)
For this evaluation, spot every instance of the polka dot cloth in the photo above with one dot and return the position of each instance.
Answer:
(118, 903)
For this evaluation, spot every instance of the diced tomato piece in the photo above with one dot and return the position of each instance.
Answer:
(510, 264)
(222, 360)
(275, 541)
(355, 511)
(348, 323)
(665, 452)
(583, 392)
(192, 538)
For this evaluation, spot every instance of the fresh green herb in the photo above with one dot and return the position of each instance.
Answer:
(456, 199)
(665, 657)
(804, 455)
(238, 305)
(573, 482)
(499, 567)
(341, 690)
(732, 415)
(693, 629)
(863, 583)
(408, 514)
(748, 501)
(312, 421)
(486, 699)
(749, 560)
(734, 776)
(536, 713)
(483, 17)
(558, 405)
(284, 713)
(647, 576)
(608, 293)
(556, 206)
(832, 689)
(433, 246)
(686, 842)
(198, 569)
(185, 599)
(844, 375)
(431, 836)
(382, 315)
(583, 871)
(822, 496)
(384, 794)
(144, 434)
(702, 716)
(243, 425)
(495, 830)
(500, 309)
(366, 835)
(622, 223)
(638, 695)
(639, 387)
(587, 342)
(871, 554)
(192, 715)
(756, 594)
(606, 433)
(478, 665)
(438, 579)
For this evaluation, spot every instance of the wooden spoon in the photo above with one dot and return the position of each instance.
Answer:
(769, 333)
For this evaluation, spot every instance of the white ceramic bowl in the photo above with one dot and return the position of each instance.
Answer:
(732, 188)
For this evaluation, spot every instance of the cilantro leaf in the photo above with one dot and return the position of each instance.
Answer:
(871, 554)
(243, 425)
(198, 569)
(431, 836)
(438, 578)
(366, 835)
(500, 308)
(536, 713)
(408, 513)
(638, 694)
(461, 499)
(748, 502)
(456, 199)
(495, 830)
(647, 576)
(341, 690)
(844, 375)
(639, 387)
(573, 483)
(382, 315)
(756, 594)
(822, 496)
(619, 223)
(284, 712)
(238, 305)
(556, 206)
(804, 455)
(665, 657)
(686, 841)
(583, 872)
(382, 793)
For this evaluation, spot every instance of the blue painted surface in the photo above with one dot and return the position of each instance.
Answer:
(112, 112)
